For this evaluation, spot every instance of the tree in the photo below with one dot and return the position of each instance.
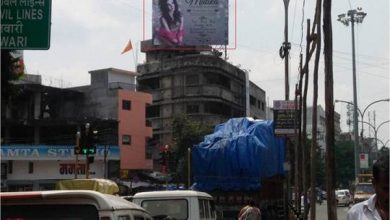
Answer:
(383, 151)
(320, 170)
(345, 163)
(186, 133)
(12, 68)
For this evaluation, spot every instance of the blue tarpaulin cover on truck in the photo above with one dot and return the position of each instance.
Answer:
(237, 155)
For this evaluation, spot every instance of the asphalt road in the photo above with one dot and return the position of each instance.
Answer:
(322, 213)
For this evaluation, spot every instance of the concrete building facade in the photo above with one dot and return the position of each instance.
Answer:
(321, 125)
(39, 128)
(197, 83)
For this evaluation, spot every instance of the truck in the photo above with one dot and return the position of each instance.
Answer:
(363, 189)
(241, 160)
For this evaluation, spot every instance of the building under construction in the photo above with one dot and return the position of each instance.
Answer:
(197, 82)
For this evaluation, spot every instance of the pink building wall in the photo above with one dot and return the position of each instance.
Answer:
(132, 122)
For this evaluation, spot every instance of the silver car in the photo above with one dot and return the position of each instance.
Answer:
(343, 197)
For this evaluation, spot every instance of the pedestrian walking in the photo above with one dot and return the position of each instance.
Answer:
(250, 212)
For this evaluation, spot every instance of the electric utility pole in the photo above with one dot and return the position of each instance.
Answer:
(329, 110)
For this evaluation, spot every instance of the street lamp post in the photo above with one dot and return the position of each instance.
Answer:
(351, 17)
(384, 144)
(355, 128)
(364, 110)
(376, 131)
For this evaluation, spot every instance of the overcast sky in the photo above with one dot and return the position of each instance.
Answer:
(90, 34)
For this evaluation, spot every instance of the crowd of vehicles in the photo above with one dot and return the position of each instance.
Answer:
(87, 199)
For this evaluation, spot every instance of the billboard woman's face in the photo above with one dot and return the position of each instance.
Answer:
(170, 5)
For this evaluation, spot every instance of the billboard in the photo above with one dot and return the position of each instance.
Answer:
(190, 22)
(286, 118)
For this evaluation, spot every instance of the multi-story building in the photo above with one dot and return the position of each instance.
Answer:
(321, 126)
(39, 126)
(197, 83)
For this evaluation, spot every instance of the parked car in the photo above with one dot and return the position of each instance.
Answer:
(343, 197)
(68, 204)
(177, 204)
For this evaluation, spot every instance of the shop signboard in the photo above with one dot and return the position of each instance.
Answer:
(53, 152)
(286, 118)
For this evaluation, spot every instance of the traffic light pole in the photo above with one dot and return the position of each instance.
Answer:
(77, 154)
(87, 153)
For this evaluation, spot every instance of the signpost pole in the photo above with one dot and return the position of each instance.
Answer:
(77, 154)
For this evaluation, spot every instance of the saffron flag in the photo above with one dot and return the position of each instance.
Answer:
(128, 47)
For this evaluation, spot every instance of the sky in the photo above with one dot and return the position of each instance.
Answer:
(90, 34)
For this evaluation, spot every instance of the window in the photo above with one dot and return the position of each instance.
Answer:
(126, 139)
(10, 166)
(201, 209)
(204, 209)
(4, 171)
(126, 104)
(148, 148)
(50, 211)
(152, 111)
(192, 80)
(252, 100)
(30, 167)
(175, 208)
(192, 109)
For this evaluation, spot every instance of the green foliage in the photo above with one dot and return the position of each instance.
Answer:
(11, 69)
(186, 133)
(320, 170)
(345, 163)
(383, 151)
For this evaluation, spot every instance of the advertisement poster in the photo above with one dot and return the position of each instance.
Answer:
(286, 118)
(363, 161)
(190, 22)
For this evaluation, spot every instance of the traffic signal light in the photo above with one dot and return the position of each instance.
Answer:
(93, 140)
(88, 142)
(83, 143)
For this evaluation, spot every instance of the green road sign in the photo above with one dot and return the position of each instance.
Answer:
(25, 24)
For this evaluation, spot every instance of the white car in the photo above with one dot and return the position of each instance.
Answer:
(343, 197)
(177, 204)
(68, 204)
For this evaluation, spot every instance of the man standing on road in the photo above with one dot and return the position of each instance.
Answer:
(377, 206)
